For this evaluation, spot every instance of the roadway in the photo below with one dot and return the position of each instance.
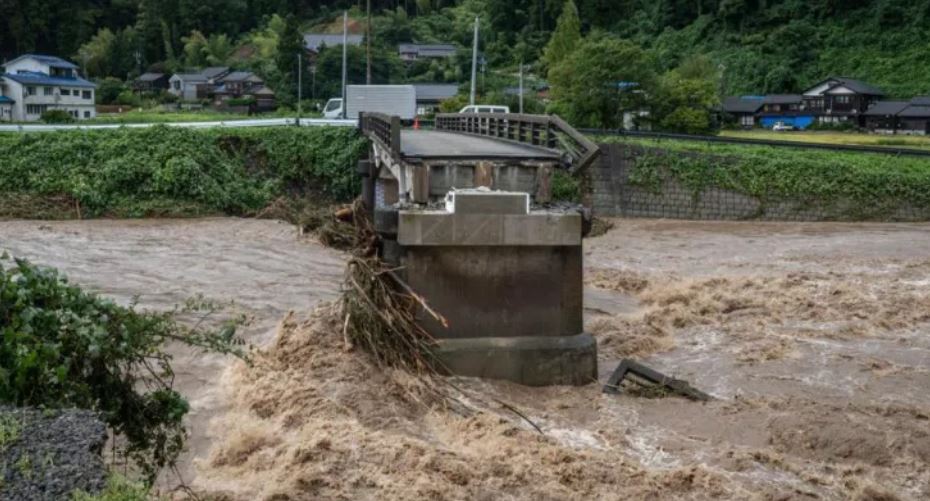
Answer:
(421, 144)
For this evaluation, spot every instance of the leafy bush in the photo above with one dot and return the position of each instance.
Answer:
(57, 117)
(240, 101)
(128, 98)
(138, 172)
(864, 185)
(63, 347)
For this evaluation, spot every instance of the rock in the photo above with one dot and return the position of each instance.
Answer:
(48, 454)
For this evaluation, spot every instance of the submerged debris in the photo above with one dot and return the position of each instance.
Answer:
(650, 383)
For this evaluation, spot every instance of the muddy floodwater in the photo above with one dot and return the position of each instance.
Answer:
(814, 340)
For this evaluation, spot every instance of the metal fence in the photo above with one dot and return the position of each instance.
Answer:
(547, 131)
(270, 122)
(886, 150)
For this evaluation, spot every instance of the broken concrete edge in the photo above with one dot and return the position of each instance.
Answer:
(427, 227)
(645, 376)
(530, 361)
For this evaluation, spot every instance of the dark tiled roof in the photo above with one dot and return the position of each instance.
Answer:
(57, 62)
(191, 77)
(920, 101)
(427, 50)
(36, 78)
(883, 108)
(240, 76)
(782, 99)
(737, 104)
(214, 71)
(435, 92)
(915, 112)
(150, 77)
(860, 86)
(313, 41)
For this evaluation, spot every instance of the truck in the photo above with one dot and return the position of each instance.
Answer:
(399, 100)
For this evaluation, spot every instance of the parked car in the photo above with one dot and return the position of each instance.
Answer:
(485, 108)
(782, 127)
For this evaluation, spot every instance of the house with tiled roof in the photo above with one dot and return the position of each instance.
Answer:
(841, 99)
(32, 84)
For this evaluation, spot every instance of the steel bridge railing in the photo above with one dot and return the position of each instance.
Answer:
(546, 131)
(385, 129)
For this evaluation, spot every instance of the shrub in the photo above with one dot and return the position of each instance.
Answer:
(63, 347)
(138, 172)
(57, 117)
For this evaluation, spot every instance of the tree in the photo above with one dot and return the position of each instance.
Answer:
(290, 45)
(194, 53)
(684, 98)
(600, 79)
(566, 36)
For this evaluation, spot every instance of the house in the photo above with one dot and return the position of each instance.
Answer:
(237, 84)
(32, 84)
(742, 109)
(841, 99)
(915, 118)
(264, 99)
(314, 42)
(429, 95)
(194, 86)
(882, 117)
(151, 82)
(786, 108)
(188, 86)
(415, 51)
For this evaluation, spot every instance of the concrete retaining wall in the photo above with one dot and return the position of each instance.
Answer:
(612, 195)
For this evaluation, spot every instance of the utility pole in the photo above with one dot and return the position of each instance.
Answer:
(300, 86)
(474, 64)
(345, 42)
(521, 87)
(368, 43)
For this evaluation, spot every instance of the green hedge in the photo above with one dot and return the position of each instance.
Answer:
(136, 172)
(864, 185)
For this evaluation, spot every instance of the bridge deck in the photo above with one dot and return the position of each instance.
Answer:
(431, 144)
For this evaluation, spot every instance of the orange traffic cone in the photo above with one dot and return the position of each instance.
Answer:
(416, 123)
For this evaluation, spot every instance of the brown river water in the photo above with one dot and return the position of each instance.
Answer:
(814, 340)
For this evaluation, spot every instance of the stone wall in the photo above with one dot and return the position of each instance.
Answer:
(611, 195)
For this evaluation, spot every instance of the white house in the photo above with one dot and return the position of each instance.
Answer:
(33, 84)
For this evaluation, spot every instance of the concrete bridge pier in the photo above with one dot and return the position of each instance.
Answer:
(470, 223)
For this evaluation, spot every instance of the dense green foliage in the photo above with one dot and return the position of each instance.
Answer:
(63, 347)
(762, 47)
(137, 172)
(866, 185)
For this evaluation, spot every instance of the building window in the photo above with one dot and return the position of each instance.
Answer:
(31, 91)
(842, 99)
(748, 120)
(86, 114)
(36, 109)
(65, 92)
(47, 91)
(86, 94)
(177, 85)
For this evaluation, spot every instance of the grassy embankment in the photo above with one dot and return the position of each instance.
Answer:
(851, 138)
(173, 172)
(866, 186)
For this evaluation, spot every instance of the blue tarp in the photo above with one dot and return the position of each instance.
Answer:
(800, 121)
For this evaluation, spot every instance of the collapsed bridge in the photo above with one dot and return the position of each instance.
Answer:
(466, 213)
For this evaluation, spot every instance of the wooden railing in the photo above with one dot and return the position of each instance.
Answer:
(546, 131)
(382, 128)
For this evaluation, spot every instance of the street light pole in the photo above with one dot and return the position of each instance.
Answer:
(368, 44)
(474, 64)
(345, 41)
(521, 87)
(300, 87)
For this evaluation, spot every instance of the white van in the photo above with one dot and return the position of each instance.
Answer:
(485, 108)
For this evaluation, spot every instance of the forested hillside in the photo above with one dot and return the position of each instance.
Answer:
(763, 46)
